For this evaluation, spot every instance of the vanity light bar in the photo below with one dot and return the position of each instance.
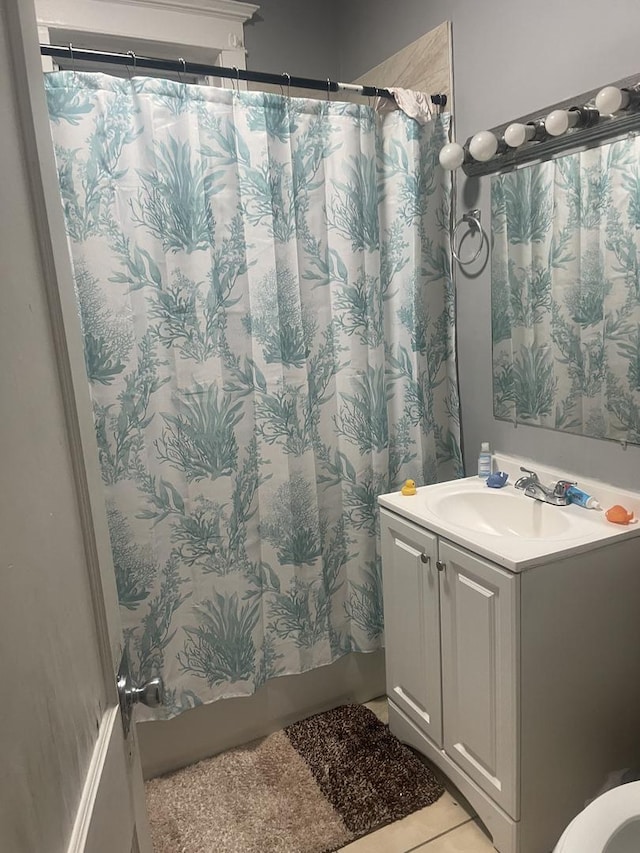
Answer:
(616, 112)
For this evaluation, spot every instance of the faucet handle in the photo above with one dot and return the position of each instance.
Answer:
(532, 474)
(560, 488)
(531, 479)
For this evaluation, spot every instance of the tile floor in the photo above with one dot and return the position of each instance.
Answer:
(448, 826)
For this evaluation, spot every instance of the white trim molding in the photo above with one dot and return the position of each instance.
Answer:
(197, 30)
(231, 10)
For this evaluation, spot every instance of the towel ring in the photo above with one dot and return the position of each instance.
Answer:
(472, 219)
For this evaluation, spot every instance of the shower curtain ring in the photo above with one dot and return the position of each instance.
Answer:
(472, 219)
(73, 59)
(184, 69)
(288, 76)
(135, 59)
(328, 88)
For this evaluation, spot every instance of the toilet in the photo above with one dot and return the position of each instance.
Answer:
(609, 824)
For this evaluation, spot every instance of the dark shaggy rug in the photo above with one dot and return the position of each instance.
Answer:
(311, 788)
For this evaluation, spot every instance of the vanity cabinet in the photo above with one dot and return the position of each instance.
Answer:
(479, 639)
(522, 687)
(451, 636)
(412, 623)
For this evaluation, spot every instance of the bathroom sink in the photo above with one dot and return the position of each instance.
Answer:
(506, 526)
(501, 513)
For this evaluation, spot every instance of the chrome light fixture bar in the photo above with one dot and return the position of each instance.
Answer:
(605, 114)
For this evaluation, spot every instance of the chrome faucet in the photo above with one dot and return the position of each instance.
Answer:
(533, 488)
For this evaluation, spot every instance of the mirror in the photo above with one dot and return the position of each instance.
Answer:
(565, 293)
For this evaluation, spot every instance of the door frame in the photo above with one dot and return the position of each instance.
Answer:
(48, 219)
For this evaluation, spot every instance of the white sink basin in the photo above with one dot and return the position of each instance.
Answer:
(501, 513)
(506, 526)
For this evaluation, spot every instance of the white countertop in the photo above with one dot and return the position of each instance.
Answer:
(585, 529)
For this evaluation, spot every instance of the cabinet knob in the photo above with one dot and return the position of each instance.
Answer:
(440, 566)
(424, 558)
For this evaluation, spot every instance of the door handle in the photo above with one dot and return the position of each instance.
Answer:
(151, 693)
(424, 558)
(440, 566)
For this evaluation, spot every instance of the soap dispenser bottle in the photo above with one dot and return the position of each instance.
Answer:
(484, 460)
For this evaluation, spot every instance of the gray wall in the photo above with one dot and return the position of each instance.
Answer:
(297, 36)
(511, 57)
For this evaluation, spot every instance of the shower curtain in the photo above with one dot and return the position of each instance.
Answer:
(268, 315)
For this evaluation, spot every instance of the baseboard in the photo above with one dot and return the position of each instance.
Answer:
(209, 729)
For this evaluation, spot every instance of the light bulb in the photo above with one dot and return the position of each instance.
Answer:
(517, 134)
(451, 156)
(559, 121)
(611, 100)
(483, 145)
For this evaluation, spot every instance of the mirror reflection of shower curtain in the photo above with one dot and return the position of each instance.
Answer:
(565, 289)
(268, 315)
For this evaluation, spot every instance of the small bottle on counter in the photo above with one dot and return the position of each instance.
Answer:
(485, 462)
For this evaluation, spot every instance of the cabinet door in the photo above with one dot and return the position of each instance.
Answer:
(479, 611)
(412, 623)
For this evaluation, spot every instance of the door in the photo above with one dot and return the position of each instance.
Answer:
(412, 622)
(70, 779)
(480, 631)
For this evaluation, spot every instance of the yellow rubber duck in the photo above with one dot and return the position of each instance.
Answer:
(409, 487)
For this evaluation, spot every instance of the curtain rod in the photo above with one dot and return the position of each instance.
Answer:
(181, 66)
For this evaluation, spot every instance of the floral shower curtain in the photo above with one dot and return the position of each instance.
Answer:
(268, 315)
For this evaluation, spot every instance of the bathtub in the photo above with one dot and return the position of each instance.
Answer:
(210, 729)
